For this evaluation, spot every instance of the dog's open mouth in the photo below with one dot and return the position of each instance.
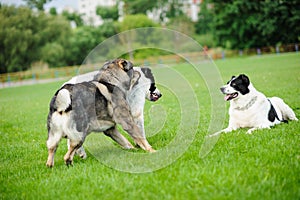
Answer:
(154, 96)
(228, 97)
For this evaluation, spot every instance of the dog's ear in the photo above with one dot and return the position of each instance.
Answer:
(125, 65)
(245, 79)
(230, 79)
(135, 78)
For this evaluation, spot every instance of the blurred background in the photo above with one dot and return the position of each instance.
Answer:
(47, 38)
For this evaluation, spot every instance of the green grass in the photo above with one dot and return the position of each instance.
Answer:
(264, 165)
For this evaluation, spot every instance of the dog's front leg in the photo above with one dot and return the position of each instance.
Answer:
(123, 116)
(257, 128)
(135, 133)
(226, 130)
(118, 137)
(140, 123)
(130, 127)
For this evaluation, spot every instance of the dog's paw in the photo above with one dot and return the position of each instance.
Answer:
(214, 134)
(69, 163)
(50, 165)
(83, 155)
(228, 129)
(151, 150)
(129, 146)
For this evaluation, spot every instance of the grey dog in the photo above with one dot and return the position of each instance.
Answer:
(98, 105)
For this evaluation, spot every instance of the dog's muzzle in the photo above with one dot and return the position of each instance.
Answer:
(154, 96)
(228, 96)
(222, 90)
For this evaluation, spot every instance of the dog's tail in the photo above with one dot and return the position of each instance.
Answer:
(286, 111)
(63, 100)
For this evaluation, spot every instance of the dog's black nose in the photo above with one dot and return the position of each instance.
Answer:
(222, 89)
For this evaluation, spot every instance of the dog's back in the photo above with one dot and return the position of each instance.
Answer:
(286, 112)
(84, 104)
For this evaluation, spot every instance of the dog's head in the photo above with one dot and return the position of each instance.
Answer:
(120, 63)
(146, 84)
(236, 87)
(118, 72)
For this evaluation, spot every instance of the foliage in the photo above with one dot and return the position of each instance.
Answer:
(136, 21)
(170, 9)
(205, 19)
(15, 41)
(205, 40)
(182, 24)
(38, 4)
(140, 6)
(53, 54)
(83, 40)
(174, 9)
(108, 29)
(75, 17)
(27, 36)
(107, 13)
(53, 11)
(242, 24)
(53, 48)
(264, 165)
(23, 33)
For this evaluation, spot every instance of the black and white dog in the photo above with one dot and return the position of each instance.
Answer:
(250, 108)
(98, 105)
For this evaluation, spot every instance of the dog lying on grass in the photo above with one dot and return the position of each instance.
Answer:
(250, 108)
(98, 105)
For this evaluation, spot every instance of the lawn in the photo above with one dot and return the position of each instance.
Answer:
(264, 165)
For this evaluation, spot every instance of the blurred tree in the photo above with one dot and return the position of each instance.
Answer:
(242, 24)
(75, 17)
(108, 13)
(136, 21)
(16, 37)
(54, 33)
(83, 40)
(169, 8)
(182, 24)
(53, 11)
(141, 6)
(38, 4)
(108, 29)
(132, 22)
(205, 19)
(174, 9)
(23, 33)
(53, 54)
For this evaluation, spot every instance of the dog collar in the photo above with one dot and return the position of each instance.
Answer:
(248, 105)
